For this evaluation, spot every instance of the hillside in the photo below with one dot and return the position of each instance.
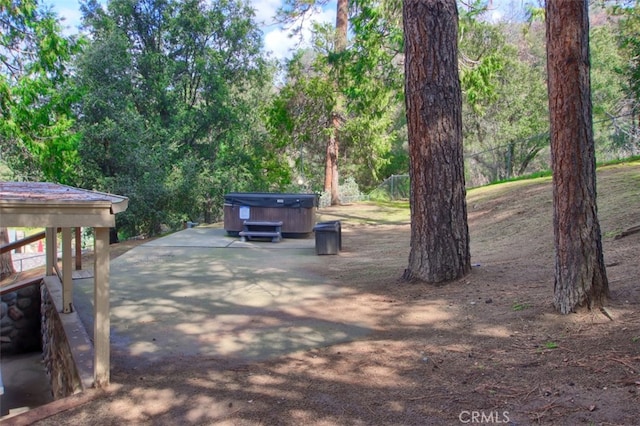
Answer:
(489, 344)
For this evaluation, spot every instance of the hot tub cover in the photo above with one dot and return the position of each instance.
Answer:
(267, 199)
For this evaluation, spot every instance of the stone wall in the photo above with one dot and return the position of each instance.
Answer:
(31, 320)
(59, 359)
(20, 320)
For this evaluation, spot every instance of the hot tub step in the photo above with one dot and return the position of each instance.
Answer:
(275, 236)
(261, 229)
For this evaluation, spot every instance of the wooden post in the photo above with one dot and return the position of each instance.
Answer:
(51, 250)
(67, 272)
(101, 310)
(78, 248)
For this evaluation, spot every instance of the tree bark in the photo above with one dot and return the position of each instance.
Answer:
(331, 165)
(331, 180)
(439, 232)
(6, 263)
(580, 274)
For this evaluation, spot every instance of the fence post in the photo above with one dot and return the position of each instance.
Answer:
(393, 178)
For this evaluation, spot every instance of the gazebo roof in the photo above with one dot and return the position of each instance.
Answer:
(50, 205)
(44, 204)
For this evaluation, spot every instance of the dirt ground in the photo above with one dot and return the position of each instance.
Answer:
(488, 348)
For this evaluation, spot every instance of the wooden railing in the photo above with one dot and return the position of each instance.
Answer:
(23, 242)
(40, 236)
(10, 288)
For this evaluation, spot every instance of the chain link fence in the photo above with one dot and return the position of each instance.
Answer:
(615, 139)
(395, 187)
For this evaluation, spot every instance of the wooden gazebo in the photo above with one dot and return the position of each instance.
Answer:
(52, 206)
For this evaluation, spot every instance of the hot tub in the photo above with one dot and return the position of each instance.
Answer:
(296, 211)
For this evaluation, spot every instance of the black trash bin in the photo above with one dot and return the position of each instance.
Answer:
(328, 237)
(339, 225)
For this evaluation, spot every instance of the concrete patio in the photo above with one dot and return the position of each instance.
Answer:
(199, 292)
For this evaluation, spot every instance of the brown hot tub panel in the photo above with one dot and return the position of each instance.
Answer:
(296, 211)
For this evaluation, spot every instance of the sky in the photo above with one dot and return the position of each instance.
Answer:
(276, 39)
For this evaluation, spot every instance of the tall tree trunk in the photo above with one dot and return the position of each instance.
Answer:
(331, 165)
(333, 145)
(580, 274)
(342, 23)
(6, 263)
(439, 233)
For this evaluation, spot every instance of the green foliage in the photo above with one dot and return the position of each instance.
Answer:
(349, 193)
(506, 125)
(404, 204)
(535, 175)
(171, 108)
(299, 117)
(625, 61)
(629, 39)
(481, 56)
(478, 81)
(37, 140)
(367, 97)
(607, 88)
(295, 13)
(607, 64)
(373, 88)
(626, 160)
(534, 13)
(520, 306)
(171, 103)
